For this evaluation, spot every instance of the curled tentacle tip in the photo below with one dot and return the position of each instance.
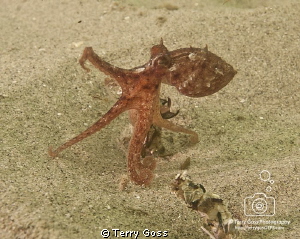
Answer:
(144, 177)
(84, 67)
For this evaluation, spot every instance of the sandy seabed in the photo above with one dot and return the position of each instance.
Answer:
(46, 98)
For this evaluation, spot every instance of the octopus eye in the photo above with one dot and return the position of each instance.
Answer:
(163, 60)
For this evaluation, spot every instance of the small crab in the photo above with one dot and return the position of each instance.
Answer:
(194, 72)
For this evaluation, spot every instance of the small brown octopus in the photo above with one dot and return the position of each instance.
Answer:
(194, 72)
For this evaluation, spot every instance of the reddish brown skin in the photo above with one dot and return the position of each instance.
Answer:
(194, 72)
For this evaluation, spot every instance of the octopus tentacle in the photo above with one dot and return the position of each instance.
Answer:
(159, 121)
(117, 109)
(163, 123)
(140, 171)
(108, 69)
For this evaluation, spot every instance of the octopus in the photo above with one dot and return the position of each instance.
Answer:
(194, 72)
